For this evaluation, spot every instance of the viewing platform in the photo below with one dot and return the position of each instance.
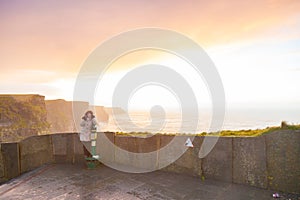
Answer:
(67, 181)
(53, 167)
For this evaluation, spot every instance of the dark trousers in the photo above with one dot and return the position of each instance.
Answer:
(86, 152)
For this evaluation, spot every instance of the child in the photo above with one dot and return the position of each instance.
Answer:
(87, 124)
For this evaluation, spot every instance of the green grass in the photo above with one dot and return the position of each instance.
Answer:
(225, 133)
(248, 133)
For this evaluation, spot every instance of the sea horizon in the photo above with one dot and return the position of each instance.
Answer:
(237, 119)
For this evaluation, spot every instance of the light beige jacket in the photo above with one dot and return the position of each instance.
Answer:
(86, 128)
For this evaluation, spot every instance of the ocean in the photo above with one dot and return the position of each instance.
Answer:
(139, 121)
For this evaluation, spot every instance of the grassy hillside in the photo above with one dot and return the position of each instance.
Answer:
(22, 116)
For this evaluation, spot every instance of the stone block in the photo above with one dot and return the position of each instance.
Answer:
(1, 166)
(189, 163)
(65, 148)
(10, 156)
(127, 143)
(283, 160)
(148, 144)
(171, 149)
(249, 161)
(59, 142)
(218, 163)
(34, 152)
(132, 154)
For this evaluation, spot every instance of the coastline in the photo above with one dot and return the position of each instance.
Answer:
(223, 133)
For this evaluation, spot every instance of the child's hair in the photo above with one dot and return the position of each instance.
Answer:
(87, 112)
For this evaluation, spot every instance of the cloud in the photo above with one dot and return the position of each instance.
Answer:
(46, 42)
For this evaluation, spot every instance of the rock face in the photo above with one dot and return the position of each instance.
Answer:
(100, 112)
(61, 117)
(27, 115)
(114, 110)
(22, 116)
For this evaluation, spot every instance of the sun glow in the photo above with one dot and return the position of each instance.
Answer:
(255, 48)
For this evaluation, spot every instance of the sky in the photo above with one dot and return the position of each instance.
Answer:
(255, 46)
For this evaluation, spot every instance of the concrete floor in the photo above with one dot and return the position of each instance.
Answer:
(63, 181)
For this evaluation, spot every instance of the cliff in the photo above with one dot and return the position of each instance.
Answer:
(116, 110)
(60, 114)
(26, 115)
(22, 116)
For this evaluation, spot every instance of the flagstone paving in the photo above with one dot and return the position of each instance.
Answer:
(66, 181)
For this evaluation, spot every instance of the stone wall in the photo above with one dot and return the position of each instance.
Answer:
(19, 157)
(270, 161)
(2, 173)
(249, 161)
(34, 152)
(218, 163)
(283, 160)
(10, 158)
(67, 148)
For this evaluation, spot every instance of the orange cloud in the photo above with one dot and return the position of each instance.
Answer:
(59, 36)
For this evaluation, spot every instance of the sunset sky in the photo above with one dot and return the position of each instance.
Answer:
(255, 45)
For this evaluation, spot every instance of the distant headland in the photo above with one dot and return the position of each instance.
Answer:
(23, 115)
